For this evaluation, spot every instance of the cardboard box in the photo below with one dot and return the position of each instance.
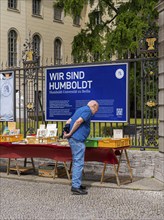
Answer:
(46, 170)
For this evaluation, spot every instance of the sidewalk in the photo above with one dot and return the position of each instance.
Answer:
(31, 197)
(92, 179)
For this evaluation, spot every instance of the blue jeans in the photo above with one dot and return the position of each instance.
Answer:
(78, 153)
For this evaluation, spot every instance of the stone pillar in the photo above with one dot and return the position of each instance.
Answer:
(159, 162)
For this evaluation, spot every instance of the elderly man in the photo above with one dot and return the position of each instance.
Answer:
(79, 131)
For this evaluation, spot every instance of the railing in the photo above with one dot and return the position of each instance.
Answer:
(142, 125)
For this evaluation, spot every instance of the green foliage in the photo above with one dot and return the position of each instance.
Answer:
(72, 7)
(133, 20)
(119, 33)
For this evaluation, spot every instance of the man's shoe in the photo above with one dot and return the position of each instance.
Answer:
(78, 191)
(82, 187)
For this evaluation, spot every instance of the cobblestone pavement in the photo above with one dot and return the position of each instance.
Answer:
(25, 200)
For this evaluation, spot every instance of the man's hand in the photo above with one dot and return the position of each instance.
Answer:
(76, 125)
(66, 135)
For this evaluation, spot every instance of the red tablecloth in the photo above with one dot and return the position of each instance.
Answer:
(59, 153)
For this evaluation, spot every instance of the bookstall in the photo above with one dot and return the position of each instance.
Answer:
(108, 151)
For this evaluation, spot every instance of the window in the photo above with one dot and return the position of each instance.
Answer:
(12, 48)
(57, 52)
(120, 1)
(97, 17)
(36, 44)
(36, 7)
(96, 56)
(76, 20)
(12, 4)
(58, 13)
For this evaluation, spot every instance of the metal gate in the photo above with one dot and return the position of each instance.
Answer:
(142, 125)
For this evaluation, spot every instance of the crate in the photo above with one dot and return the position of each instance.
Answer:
(62, 142)
(32, 140)
(92, 142)
(37, 140)
(50, 140)
(11, 138)
(109, 142)
(125, 141)
(46, 170)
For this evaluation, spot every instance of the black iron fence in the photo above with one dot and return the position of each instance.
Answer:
(142, 125)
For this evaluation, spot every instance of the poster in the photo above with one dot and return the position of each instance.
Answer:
(7, 96)
(70, 87)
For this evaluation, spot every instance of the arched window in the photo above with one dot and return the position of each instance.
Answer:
(12, 48)
(57, 52)
(36, 44)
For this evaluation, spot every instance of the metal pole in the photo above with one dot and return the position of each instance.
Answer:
(142, 108)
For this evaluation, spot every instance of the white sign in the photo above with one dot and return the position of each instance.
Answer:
(7, 96)
(117, 133)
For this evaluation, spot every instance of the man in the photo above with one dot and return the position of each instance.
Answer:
(79, 131)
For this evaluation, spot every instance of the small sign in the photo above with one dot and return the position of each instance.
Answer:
(117, 133)
(11, 126)
(42, 126)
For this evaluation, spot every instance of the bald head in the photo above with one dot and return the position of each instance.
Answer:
(93, 105)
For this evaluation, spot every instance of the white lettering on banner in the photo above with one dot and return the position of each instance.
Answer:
(75, 75)
(67, 76)
(70, 85)
(57, 76)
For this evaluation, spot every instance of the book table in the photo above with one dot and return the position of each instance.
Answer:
(63, 154)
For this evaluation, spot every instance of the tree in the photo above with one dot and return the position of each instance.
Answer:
(133, 21)
(119, 32)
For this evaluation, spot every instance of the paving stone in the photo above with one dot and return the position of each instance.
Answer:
(27, 200)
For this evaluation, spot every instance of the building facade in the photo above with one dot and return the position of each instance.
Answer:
(50, 30)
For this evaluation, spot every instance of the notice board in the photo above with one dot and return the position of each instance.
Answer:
(70, 87)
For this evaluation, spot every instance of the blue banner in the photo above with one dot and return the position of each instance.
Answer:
(70, 87)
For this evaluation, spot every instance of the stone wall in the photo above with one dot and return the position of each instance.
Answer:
(159, 163)
(142, 164)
